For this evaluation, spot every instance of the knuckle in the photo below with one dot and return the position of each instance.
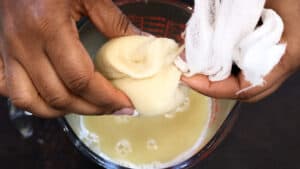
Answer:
(59, 101)
(44, 25)
(109, 106)
(122, 24)
(89, 6)
(79, 81)
(23, 101)
(244, 96)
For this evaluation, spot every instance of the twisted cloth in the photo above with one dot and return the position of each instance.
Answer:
(220, 33)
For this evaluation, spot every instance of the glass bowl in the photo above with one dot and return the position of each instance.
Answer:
(166, 19)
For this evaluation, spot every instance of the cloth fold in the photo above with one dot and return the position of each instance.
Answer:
(220, 33)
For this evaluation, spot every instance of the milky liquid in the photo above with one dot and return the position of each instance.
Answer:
(151, 142)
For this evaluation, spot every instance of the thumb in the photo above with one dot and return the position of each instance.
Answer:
(108, 18)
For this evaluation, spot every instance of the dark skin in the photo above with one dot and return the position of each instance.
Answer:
(44, 67)
(289, 10)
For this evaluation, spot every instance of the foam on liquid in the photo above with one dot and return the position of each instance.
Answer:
(150, 142)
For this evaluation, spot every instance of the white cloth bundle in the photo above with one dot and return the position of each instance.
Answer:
(222, 32)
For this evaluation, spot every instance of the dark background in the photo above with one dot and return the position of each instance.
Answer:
(266, 136)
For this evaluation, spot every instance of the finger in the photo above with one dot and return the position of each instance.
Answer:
(263, 94)
(3, 90)
(272, 81)
(23, 94)
(109, 19)
(74, 66)
(221, 89)
(51, 88)
(268, 91)
(229, 87)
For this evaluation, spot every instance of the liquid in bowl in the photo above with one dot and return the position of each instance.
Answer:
(150, 142)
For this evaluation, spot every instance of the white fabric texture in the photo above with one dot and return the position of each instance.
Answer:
(220, 33)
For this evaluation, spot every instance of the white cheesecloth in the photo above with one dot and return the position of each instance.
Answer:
(220, 33)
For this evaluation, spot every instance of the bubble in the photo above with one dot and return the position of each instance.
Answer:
(123, 147)
(152, 144)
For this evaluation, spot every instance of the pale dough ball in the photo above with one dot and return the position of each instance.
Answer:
(142, 67)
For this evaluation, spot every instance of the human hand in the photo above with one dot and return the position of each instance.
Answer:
(289, 63)
(44, 68)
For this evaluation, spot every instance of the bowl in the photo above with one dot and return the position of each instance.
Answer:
(164, 19)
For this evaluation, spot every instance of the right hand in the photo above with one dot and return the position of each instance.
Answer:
(44, 68)
(289, 63)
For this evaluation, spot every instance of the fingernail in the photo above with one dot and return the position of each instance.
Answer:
(124, 111)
